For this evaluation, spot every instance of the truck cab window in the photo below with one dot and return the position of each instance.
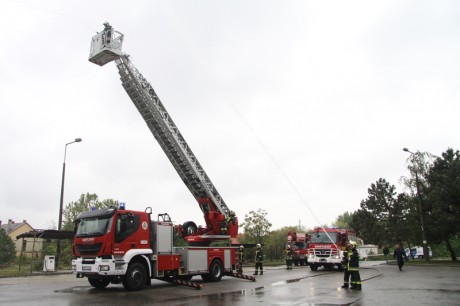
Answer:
(126, 226)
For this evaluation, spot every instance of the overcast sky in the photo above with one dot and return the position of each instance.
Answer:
(293, 107)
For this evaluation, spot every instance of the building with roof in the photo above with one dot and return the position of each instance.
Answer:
(14, 229)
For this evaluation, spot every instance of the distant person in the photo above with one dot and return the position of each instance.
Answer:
(240, 259)
(108, 33)
(353, 262)
(288, 256)
(400, 255)
(259, 260)
(346, 267)
(386, 251)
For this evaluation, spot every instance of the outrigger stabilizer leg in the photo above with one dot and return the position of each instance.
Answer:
(182, 282)
(240, 275)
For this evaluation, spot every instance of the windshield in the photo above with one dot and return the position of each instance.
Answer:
(323, 237)
(93, 226)
(299, 245)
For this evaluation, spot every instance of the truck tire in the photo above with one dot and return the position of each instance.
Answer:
(216, 271)
(135, 277)
(189, 228)
(98, 283)
(314, 267)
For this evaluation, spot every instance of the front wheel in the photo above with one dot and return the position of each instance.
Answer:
(135, 277)
(98, 283)
(314, 267)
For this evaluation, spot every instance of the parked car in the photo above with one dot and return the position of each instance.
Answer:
(416, 252)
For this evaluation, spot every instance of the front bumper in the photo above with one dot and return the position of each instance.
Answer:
(99, 266)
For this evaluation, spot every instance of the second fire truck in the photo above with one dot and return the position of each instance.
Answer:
(327, 246)
(298, 242)
(117, 245)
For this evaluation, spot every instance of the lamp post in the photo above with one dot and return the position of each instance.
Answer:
(58, 248)
(426, 254)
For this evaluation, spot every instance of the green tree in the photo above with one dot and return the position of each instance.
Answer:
(256, 225)
(343, 220)
(366, 226)
(86, 202)
(7, 248)
(442, 201)
(384, 215)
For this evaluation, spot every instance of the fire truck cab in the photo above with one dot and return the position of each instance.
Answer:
(327, 246)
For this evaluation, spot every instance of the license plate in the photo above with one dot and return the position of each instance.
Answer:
(86, 268)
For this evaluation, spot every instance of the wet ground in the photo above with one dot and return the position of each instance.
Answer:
(382, 285)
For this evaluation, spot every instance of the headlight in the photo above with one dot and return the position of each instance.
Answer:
(311, 256)
(104, 268)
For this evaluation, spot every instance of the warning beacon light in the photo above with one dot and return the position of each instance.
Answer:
(122, 205)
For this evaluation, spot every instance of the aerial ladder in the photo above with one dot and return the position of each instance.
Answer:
(221, 222)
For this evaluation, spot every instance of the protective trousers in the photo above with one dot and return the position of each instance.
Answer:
(346, 278)
(355, 280)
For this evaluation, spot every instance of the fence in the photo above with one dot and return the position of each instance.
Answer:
(39, 253)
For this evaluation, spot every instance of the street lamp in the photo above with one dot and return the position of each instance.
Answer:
(426, 254)
(58, 249)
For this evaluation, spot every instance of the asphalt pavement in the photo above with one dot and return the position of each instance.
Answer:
(383, 284)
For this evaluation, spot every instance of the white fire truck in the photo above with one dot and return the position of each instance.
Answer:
(129, 247)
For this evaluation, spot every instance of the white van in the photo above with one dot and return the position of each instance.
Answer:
(416, 252)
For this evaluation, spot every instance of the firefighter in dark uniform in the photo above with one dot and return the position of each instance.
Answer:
(226, 224)
(353, 263)
(288, 256)
(240, 259)
(346, 273)
(259, 260)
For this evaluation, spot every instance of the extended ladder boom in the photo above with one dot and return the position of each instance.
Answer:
(167, 134)
(106, 47)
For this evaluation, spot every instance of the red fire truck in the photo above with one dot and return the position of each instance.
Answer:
(123, 246)
(327, 246)
(298, 242)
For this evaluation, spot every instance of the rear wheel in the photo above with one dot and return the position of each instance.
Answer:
(216, 271)
(98, 283)
(135, 277)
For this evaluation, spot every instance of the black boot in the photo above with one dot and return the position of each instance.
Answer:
(261, 272)
(345, 285)
(255, 273)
